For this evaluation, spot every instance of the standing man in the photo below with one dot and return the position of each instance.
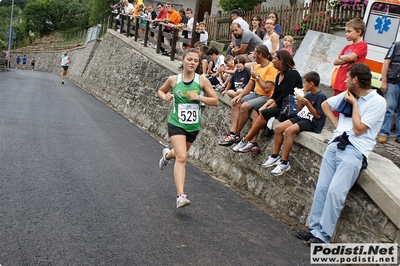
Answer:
(245, 41)
(174, 18)
(390, 86)
(65, 61)
(161, 17)
(236, 17)
(353, 140)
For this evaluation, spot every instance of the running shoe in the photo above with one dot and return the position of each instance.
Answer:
(243, 143)
(62, 81)
(219, 87)
(280, 169)
(230, 139)
(182, 201)
(164, 161)
(250, 146)
(256, 148)
(271, 162)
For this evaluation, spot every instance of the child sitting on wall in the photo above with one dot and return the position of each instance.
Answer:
(226, 75)
(239, 79)
(309, 118)
(219, 65)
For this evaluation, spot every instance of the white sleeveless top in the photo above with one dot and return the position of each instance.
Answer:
(64, 60)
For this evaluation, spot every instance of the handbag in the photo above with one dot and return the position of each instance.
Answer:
(289, 108)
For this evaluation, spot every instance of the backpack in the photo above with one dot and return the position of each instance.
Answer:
(289, 108)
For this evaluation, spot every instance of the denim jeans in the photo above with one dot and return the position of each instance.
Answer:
(339, 170)
(392, 96)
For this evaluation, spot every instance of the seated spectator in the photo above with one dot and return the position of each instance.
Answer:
(275, 20)
(256, 26)
(239, 80)
(226, 74)
(285, 82)
(271, 38)
(206, 63)
(287, 44)
(236, 16)
(219, 65)
(230, 68)
(245, 41)
(198, 45)
(309, 118)
(262, 82)
(204, 33)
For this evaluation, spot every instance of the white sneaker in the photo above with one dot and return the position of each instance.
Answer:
(164, 161)
(280, 169)
(240, 145)
(271, 162)
(182, 201)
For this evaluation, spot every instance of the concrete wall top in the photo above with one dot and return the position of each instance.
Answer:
(317, 52)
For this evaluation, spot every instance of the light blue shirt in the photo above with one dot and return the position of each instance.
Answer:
(372, 108)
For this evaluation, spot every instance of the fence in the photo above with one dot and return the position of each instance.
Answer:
(131, 27)
(291, 18)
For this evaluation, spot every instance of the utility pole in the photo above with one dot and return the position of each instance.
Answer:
(9, 37)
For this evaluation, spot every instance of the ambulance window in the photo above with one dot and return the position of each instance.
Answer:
(383, 24)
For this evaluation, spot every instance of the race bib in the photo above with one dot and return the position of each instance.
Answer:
(188, 113)
(305, 114)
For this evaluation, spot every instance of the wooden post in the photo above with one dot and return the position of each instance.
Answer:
(159, 38)
(137, 20)
(195, 20)
(147, 31)
(173, 42)
(128, 26)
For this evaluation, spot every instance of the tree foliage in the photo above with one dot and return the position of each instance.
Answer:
(44, 16)
(229, 5)
(17, 3)
(99, 10)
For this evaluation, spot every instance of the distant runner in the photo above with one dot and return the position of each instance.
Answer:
(65, 61)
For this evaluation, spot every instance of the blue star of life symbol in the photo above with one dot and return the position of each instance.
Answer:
(382, 24)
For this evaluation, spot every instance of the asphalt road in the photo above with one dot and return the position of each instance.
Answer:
(80, 185)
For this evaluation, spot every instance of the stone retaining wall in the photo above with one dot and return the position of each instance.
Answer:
(127, 75)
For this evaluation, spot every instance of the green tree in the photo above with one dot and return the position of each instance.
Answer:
(3, 45)
(44, 16)
(17, 3)
(99, 10)
(5, 13)
(40, 16)
(229, 5)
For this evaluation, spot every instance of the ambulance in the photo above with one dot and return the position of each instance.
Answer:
(382, 18)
